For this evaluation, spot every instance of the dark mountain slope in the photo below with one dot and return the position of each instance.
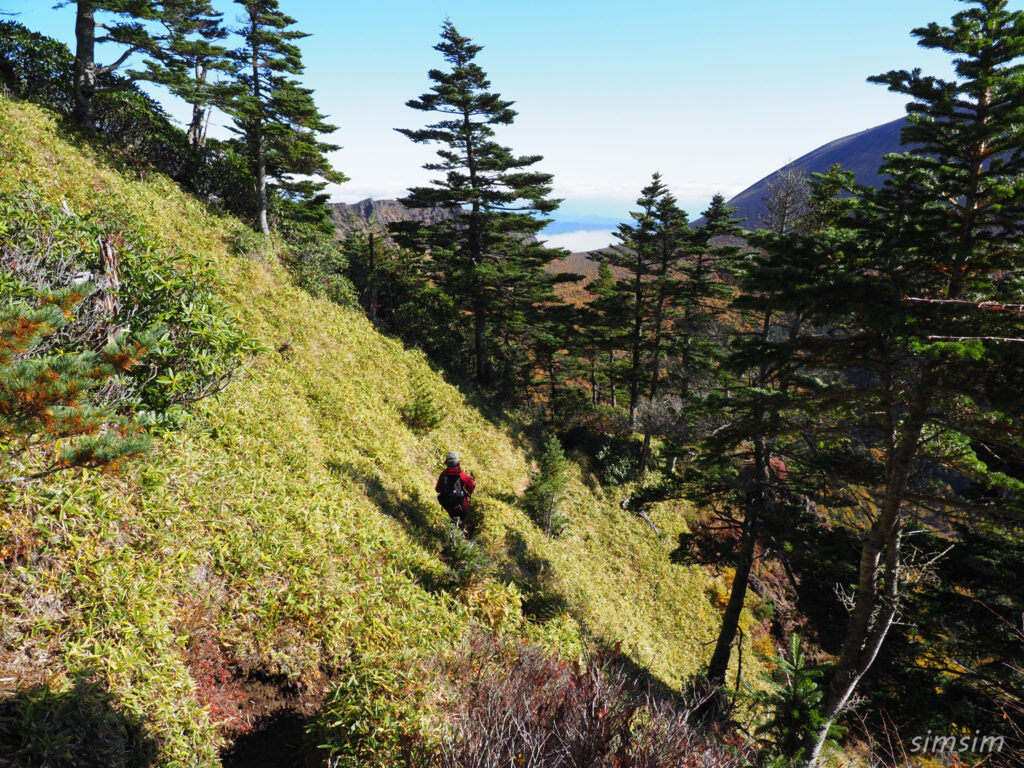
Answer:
(860, 152)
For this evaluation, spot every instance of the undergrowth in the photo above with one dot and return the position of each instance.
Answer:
(293, 523)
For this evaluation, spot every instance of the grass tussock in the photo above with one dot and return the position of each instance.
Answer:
(293, 523)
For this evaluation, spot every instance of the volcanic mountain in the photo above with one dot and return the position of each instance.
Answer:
(860, 152)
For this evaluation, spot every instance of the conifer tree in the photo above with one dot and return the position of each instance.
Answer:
(488, 246)
(644, 244)
(916, 305)
(707, 285)
(188, 55)
(543, 499)
(118, 21)
(745, 429)
(672, 249)
(550, 331)
(601, 335)
(699, 331)
(277, 118)
(750, 461)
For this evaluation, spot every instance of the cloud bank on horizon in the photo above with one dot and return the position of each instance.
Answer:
(581, 240)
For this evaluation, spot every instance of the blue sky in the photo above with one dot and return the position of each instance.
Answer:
(713, 94)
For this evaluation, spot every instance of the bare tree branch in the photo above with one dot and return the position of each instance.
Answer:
(1006, 339)
(995, 306)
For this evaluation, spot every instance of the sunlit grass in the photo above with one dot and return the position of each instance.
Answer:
(294, 518)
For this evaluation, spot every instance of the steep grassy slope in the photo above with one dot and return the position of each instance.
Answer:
(291, 529)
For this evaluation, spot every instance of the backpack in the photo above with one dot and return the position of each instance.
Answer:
(452, 493)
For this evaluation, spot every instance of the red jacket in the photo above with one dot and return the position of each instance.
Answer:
(467, 484)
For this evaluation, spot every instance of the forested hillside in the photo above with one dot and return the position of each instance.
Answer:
(743, 497)
(288, 537)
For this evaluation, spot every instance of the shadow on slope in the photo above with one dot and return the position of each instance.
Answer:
(278, 742)
(82, 727)
(531, 573)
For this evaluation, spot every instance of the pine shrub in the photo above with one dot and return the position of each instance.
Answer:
(543, 498)
(50, 419)
(791, 704)
(420, 413)
(131, 290)
(466, 559)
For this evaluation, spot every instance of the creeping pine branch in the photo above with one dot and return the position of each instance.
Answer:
(33, 476)
(937, 505)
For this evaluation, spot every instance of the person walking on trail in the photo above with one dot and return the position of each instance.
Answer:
(454, 487)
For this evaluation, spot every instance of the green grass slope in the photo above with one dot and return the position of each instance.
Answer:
(291, 528)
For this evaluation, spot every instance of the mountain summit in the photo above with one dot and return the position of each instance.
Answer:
(859, 152)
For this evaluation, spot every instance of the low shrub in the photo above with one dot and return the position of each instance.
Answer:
(138, 290)
(466, 559)
(616, 460)
(421, 413)
(516, 705)
(789, 709)
(82, 726)
(370, 720)
(318, 264)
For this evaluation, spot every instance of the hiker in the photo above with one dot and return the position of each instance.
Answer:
(454, 487)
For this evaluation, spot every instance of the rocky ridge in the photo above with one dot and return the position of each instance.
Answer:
(380, 213)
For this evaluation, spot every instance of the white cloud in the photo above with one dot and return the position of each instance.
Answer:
(583, 240)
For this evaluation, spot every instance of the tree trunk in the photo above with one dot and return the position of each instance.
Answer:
(553, 386)
(645, 454)
(758, 503)
(261, 180)
(634, 376)
(659, 319)
(873, 613)
(194, 134)
(85, 65)
(611, 379)
(373, 281)
(259, 147)
(483, 360)
(731, 617)
(595, 392)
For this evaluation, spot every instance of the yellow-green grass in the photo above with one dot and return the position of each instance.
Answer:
(293, 520)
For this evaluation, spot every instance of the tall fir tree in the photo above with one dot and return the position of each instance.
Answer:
(708, 278)
(914, 323)
(750, 466)
(277, 119)
(601, 333)
(189, 54)
(742, 425)
(636, 257)
(672, 252)
(489, 245)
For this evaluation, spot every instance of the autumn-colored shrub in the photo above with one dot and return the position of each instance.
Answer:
(517, 705)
